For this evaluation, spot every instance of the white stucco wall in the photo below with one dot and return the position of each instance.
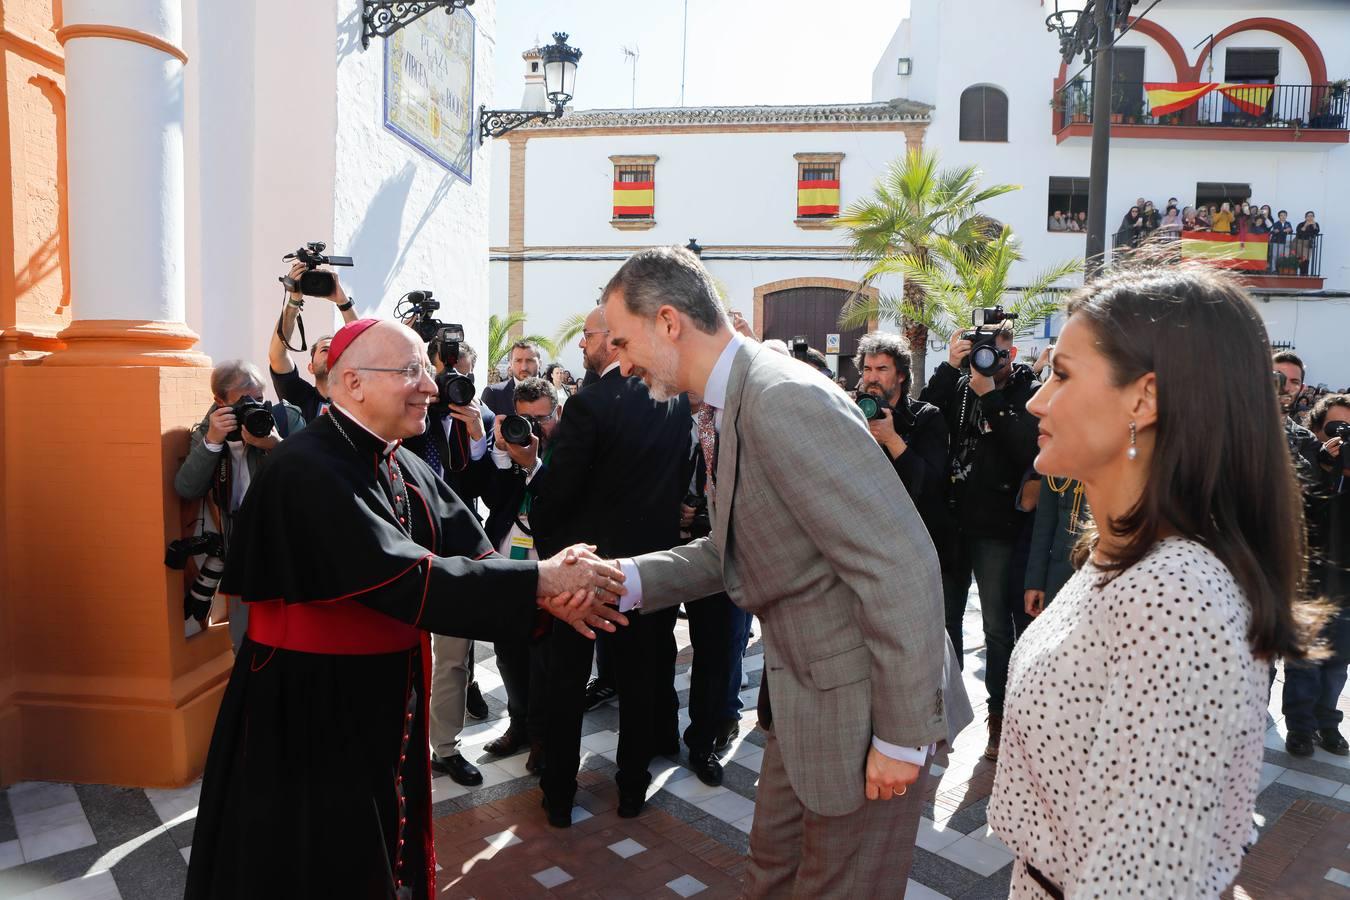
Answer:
(1013, 50)
(285, 144)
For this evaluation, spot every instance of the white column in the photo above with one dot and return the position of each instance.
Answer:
(124, 109)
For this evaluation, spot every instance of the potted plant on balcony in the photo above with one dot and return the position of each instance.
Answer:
(1286, 265)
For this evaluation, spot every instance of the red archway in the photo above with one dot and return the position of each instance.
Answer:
(1312, 54)
(1171, 46)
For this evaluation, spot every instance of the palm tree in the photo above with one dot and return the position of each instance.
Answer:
(913, 206)
(500, 339)
(569, 330)
(956, 279)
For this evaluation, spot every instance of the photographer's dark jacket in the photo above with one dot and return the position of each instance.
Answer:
(294, 389)
(469, 478)
(993, 441)
(923, 466)
(1328, 513)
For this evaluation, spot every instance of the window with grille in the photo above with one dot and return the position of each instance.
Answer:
(634, 190)
(1067, 196)
(984, 114)
(818, 185)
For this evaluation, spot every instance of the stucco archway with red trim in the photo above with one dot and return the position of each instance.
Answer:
(1312, 54)
(1171, 46)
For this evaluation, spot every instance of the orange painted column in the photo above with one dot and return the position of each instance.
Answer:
(98, 386)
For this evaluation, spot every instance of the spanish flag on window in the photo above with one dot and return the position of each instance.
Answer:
(818, 198)
(634, 198)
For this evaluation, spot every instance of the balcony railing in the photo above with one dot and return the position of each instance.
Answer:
(1298, 106)
(1294, 257)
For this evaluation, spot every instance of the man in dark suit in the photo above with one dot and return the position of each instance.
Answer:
(617, 474)
(524, 363)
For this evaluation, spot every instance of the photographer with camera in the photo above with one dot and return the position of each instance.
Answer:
(521, 444)
(1313, 687)
(224, 452)
(305, 278)
(911, 432)
(456, 444)
(983, 392)
(1307, 450)
(524, 363)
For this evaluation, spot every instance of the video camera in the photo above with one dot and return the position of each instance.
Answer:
(416, 309)
(313, 283)
(985, 356)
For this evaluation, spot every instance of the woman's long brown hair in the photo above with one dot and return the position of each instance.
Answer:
(1221, 472)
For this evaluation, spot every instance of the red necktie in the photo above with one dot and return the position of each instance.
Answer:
(707, 439)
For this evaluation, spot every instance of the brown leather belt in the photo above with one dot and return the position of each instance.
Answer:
(1046, 884)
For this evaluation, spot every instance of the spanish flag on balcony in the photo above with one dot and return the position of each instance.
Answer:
(634, 198)
(817, 198)
(1170, 96)
(1227, 251)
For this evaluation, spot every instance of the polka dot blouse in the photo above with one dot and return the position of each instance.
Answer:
(1133, 732)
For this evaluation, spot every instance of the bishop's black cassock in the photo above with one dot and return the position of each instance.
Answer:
(318, 782)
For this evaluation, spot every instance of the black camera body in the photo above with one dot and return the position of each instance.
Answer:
(252, 416)
(417, 309)
(985, 356)
(871, 406)
(1338, 430)
(518, 430)
(178, 552)
(799, 346)
(313, 283)
(454, 389)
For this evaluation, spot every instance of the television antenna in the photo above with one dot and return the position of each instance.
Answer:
(633, 55)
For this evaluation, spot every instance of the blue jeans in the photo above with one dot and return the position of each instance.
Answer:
(1310, 694)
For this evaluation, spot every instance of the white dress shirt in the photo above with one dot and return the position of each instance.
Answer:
(715, 396)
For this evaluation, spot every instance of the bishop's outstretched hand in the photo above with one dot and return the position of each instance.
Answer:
(582, 589)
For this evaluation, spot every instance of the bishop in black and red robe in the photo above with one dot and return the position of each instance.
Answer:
(349, 550)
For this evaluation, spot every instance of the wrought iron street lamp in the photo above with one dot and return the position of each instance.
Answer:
(1087, 28)
(560, 78)
(381, 18)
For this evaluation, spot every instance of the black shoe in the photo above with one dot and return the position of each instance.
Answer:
(534, 763)
(707, 768)
(1299, 743)
(558, 816)
(474, 704)
(598, 692)
(631, 803)
(460, 770)
(1331, 741)
(507, 744)
(725, 735)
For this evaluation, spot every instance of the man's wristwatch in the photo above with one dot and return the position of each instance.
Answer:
(343, 307)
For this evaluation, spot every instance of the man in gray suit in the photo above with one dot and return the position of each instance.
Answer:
(814, 534)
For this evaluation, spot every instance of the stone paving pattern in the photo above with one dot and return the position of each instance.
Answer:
(99, 842)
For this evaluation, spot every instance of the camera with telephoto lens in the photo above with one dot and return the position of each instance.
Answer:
(985, 356)
(454, 389)
(197, 597)
(313, 283)
(871, 406)
(252, 416)
(518, 430)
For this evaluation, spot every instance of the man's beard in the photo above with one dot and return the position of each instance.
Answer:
(661, 377)
(595, 362)
(876, 391)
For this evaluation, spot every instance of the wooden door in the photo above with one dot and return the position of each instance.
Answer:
(813, 312)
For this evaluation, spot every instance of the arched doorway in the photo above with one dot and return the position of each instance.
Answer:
(810, 307)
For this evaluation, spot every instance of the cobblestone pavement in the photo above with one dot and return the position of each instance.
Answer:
(99, 842)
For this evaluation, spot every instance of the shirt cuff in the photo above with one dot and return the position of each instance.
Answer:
(214, 448)
(632, 580)
(915, 756)
(478, 448)
(534, 470)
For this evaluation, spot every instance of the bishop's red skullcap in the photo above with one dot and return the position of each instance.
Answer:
(343, 339)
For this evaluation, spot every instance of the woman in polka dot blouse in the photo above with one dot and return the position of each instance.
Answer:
(1135, 712)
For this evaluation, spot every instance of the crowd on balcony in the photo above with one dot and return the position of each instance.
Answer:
(1292, 247)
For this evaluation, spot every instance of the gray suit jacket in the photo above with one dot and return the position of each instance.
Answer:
(814, 534)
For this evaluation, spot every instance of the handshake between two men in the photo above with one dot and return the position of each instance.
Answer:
(582, 589)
